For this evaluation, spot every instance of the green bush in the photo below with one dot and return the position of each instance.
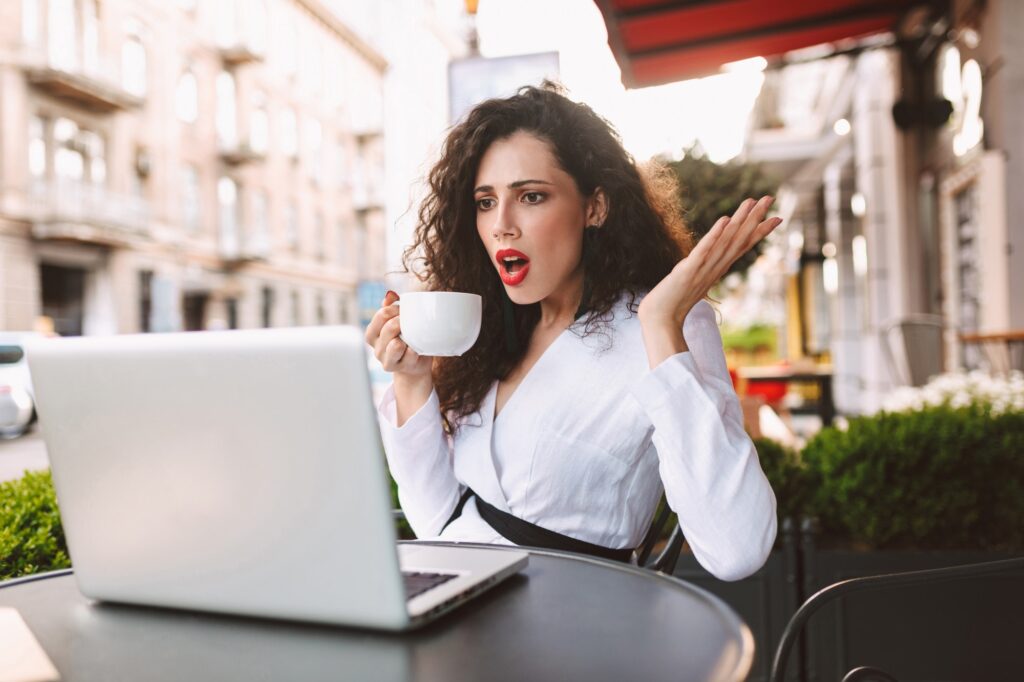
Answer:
(750, 339)
(31, 535)
(936, 478)
(402, 528)
(785, 472)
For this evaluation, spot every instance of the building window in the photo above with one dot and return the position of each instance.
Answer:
(192, 201)
(37, 147)
(312, 67)
(321, 311)
(360, 250)
(193, 306)
(30, 22)
(79, 154)
(133, 61)
(343, 309)
(62, 34)
(227, 198)
(289, 43)
(186, 97)
(231, 306)
(145, 300)
(143, 167)
(333, 78)
(266, 306)
(341, 165)
(290, 133)
(256, 25)
(259, 124)
(296, 313)
(321, 237)
(342, 251)
(227, 116)
(95, 156)
(291, 226)
(90, 37)
(259, 237)
(314, 143)
(227, 23)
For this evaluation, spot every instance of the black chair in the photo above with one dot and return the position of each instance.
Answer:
(667, 559)
(845, 587)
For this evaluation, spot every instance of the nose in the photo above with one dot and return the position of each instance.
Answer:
(504, 225)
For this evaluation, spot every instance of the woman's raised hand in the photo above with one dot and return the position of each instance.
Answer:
(665, 307)
(692, 278)
(394, 355)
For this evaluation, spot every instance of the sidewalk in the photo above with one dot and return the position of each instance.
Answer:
(27, 452)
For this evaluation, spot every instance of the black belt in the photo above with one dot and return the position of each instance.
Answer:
(524, 533)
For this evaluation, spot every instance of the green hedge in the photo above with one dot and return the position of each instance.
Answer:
(31, 535)
(936, 478)
(783, 468)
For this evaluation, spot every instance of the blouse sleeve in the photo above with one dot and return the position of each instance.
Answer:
(419, 455)
(708, 464)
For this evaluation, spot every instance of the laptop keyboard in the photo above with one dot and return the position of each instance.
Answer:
(416, 583)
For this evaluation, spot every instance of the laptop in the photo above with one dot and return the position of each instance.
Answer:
(238, 472)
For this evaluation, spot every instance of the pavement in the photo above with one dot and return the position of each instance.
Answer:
(25, 452)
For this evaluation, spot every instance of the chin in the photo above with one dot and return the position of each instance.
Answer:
(521, 296)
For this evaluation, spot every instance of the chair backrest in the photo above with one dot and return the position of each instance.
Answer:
(934, 575)
(666, 560)
(912, 346)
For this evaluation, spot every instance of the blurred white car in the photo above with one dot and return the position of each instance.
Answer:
(17, 399)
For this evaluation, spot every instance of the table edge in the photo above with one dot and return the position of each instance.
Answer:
(744, 662)
(746, 659)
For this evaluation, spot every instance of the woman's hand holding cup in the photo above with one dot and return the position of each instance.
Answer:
(394, 355)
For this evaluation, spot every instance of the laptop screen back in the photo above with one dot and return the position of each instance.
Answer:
(232, 471)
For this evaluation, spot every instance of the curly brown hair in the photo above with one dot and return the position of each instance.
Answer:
(641, 239)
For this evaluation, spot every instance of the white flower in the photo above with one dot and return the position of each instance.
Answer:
(960, 389)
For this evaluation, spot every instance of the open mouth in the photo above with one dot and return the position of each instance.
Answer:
(512, 266)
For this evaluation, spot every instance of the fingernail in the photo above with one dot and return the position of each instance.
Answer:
(391, 293)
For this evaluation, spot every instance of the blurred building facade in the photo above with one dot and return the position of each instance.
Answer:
(898, 237)
(196, 164)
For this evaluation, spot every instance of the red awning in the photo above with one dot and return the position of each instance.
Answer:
(658, 41)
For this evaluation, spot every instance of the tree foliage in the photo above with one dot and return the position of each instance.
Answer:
(711, 190)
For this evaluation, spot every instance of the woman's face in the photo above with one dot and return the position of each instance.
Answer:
(530, 216)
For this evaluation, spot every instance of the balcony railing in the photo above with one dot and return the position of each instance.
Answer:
(236, 249)
(367, 195)
(97, 88)
(86, 212)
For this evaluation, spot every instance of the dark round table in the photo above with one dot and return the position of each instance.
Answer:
(566, 617)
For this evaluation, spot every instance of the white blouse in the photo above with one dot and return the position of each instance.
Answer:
(586, 443)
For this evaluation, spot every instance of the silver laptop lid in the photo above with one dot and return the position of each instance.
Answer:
(232, 471)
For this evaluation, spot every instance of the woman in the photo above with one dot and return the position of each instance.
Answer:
(598, 378)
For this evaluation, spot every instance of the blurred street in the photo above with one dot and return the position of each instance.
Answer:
(19, 454)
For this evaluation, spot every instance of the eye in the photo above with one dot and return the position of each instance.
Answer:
(533, 197)
(485, 203)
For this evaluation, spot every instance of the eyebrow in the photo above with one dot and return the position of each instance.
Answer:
(515, 185)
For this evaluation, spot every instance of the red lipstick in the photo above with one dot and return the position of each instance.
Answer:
(512, 266)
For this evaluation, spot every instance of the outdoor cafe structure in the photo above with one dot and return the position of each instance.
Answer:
(898, 137)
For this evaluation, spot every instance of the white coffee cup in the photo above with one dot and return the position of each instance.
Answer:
(440, 323)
